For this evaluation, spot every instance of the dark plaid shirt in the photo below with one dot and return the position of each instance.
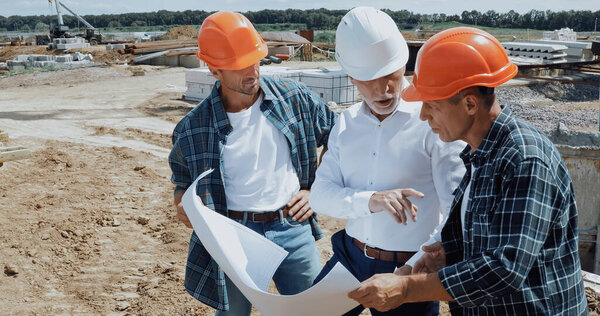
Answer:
(198, 142)
(519, 255)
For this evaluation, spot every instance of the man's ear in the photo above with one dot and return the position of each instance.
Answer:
(215, 72)
(472, 103)
(352, 80)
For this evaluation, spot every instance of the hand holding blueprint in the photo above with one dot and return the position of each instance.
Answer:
(250, 260)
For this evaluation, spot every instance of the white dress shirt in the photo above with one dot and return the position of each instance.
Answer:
(366, 155)
(258, 172)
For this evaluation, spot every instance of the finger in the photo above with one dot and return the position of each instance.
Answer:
(413, 193)
(358, 294)
(433, 247)
(306, 213)
(399, 211)
(410, 208)
(295, 198)
(297, 206)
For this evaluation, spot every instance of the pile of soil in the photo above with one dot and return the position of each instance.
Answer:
(181, 32)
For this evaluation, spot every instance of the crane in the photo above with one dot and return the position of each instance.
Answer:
(61, 30)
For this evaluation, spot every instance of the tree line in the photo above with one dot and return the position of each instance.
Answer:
(322, 19)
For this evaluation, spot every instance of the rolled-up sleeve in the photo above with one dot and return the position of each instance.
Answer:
(517, 228)
(177, 161)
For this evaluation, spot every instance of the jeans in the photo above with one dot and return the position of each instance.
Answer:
(297, 271)
(362, 267)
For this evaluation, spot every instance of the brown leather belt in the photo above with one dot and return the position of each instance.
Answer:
(380, 254)
(257, 217)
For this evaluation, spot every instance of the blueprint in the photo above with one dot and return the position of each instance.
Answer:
(250, 260)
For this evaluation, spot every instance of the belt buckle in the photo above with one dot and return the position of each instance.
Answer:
(252, 216)
(365, 252)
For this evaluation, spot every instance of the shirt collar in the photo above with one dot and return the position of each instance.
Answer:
(492, 137)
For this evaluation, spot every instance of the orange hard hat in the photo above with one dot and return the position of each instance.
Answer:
(455, 59)
(228, 40)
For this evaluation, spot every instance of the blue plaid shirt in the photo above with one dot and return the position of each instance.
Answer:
(198, 141)
(519, 255)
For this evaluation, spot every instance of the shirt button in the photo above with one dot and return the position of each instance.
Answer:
(379, 124)
(371, 183)
(374, 154)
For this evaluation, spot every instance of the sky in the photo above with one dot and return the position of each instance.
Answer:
(84, 7)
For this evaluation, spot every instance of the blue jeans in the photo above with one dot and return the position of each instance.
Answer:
(297, 271)
(362, 267)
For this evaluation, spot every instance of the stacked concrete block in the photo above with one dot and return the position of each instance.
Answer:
(41, 64)
(330, 85)
(68, 43)
(545, 53)
(16, 64)
(64, 58)
(564, 34)
(576, 51)
(22, 57)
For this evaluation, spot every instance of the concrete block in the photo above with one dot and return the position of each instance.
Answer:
(64, 59)
(72, 46)
(43, 63)
(118, 46)
(16, 67)
(533, 47)
(11, 63)
(22, 57)
(42, 58)
(189, 61)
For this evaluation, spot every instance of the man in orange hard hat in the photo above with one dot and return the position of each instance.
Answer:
(260, 135)
(509, 246)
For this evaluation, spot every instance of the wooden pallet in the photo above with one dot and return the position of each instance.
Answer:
(13, 153)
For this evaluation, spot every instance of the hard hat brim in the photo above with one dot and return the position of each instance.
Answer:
(238, 62)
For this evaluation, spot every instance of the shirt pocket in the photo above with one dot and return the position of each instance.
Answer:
(480, 222)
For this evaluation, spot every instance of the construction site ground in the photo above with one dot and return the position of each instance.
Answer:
(88, 225)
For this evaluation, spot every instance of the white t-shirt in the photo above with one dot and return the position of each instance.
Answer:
(258, 171)
(465, 202)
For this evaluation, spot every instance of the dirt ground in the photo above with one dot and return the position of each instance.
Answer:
(88, 222)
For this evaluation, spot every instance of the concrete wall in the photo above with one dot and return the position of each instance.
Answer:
(584, 168)
(581, 153)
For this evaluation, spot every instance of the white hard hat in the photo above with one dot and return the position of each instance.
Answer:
(368, 44)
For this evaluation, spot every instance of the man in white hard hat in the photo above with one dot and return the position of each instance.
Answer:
(379, 154)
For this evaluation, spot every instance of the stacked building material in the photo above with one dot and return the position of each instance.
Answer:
(564, 34)
(545, 53)
(329, 85)
(68, 43)
(576, 51)
(157, 46)
(64, 61)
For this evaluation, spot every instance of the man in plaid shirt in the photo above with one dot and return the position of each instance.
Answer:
(260, 135)
(509, 246)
